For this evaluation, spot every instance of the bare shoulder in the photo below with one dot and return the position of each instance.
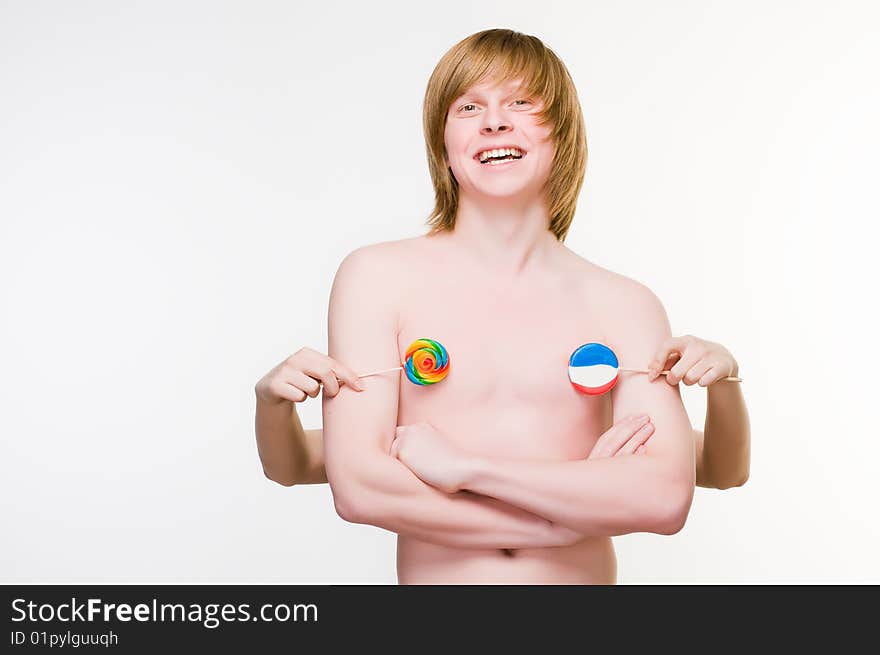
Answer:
(378, 268)
(374, 277)
(381, 257)
(627, 306)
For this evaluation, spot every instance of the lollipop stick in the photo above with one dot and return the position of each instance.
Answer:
(641, 370)
(387, 370)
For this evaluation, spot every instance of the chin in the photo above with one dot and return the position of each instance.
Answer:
(503, 194)
(501, 185)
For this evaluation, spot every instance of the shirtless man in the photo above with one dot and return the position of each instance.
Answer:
(291, 455)
(486, 479)
(506, 401)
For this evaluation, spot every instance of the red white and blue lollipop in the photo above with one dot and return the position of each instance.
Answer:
(593, 369)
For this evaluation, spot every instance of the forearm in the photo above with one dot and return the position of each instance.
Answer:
(599, 497)
(726, 437)
(281, 442)
(384, 493)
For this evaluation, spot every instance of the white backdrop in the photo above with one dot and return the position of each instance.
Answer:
(180, 180)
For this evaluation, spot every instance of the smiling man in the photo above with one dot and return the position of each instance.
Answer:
(488, 481)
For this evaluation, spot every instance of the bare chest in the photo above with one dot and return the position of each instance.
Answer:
(507, 388)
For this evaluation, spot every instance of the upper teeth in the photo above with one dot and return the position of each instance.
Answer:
(483, 156)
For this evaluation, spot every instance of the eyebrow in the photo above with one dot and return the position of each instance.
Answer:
(511, 90)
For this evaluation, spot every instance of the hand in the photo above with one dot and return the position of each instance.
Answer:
(697, 361)
(301, 375)
(428, 454)
(626, 437)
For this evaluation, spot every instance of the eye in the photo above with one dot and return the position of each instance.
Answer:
(464, 108)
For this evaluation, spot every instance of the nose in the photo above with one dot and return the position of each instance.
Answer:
(494, 121)
(500, 127)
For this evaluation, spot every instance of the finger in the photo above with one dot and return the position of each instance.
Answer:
(640, 437)
(655, 369)
(678, 371)
(697, 371)
(303, 382)
(303, 356)
(318, 368)
(710, 376)
(668, 347)
(322, 365)
(617, 435)
(597, 451)
(327, 370)
(395, 446)
(288, 391)
(631, 428)
(330, 382)
(663, 353)
(345, 374)
(641, 449)
(332, 374)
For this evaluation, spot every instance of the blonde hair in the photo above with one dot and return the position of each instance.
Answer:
(504, 55)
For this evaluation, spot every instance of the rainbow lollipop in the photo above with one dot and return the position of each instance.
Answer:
(427, 362)
(593, 369)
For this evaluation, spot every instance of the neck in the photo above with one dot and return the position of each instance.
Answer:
(508, 237)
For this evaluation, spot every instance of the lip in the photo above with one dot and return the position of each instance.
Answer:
(476, 156)
(506, 164)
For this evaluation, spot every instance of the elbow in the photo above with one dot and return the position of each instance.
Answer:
(357, 496)
(741, 480)
(735, 482)
(671, 515)
(284, 481)
(346, 509)
(348, 500)
(345, 492)
(672, 525)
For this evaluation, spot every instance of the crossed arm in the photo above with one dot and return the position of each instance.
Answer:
(617, 495)
(514, 504)
(721, 463)
(595, 497)
(368, 485)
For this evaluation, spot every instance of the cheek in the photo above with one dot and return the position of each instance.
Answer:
(456, 158)
(548, 153)
(454, 147)
(449, 134)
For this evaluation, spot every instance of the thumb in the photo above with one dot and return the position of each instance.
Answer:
(347, 375)
(666, 349)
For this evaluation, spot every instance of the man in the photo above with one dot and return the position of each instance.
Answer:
(487, 481)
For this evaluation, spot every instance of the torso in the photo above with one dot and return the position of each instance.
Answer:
(507, 393)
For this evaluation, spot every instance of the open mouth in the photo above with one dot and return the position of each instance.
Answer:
(499, 157)
(501, 160)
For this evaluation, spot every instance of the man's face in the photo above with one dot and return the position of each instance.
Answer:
(489, 116)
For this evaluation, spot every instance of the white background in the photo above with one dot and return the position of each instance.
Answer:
(180, 180)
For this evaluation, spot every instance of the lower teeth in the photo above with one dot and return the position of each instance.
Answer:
(500, 161)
